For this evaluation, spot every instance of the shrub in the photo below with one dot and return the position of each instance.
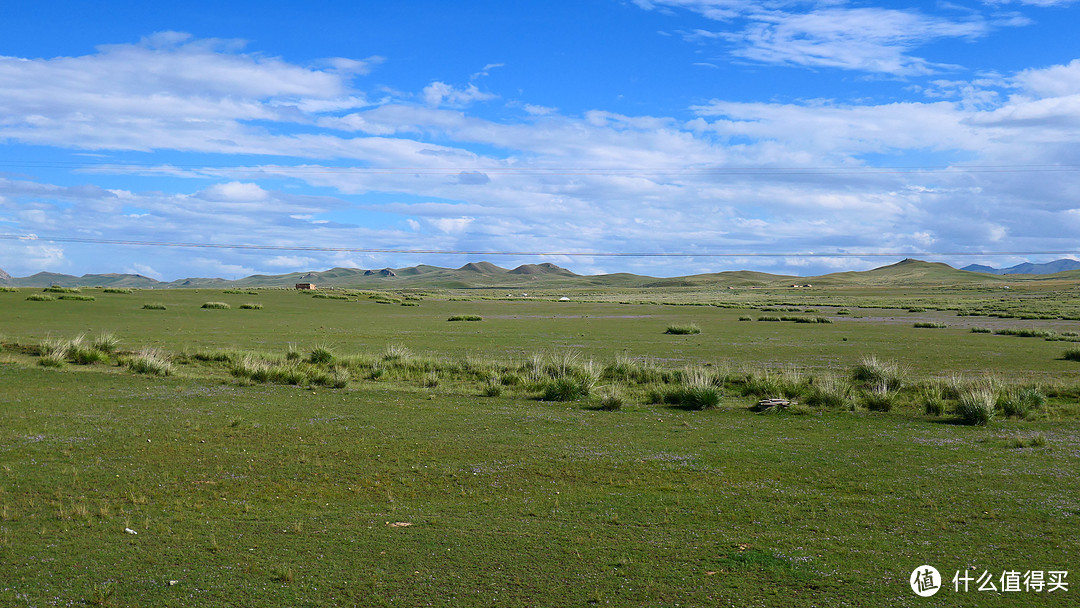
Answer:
(1073, 354)
(929, 325)
(746, 318)
(58, 289)
(981, 330)
(39, 297)
(251, 306)
(153, 306)
(768, 318)
(466, 318)
(684, 329)
(118, 290)
(77, 298)
(976, 405)
(216, 305)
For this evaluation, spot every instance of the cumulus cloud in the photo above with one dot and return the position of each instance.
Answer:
(426, 167)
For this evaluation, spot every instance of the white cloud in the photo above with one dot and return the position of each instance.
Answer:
(830, 34)
(439, 93)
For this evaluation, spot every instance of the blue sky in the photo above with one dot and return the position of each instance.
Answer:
(725, 129)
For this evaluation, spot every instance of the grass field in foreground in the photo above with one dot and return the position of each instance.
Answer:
(264, 495)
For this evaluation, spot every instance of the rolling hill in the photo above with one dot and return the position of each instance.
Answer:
(474, 275)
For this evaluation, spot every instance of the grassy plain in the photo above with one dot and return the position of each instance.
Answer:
(413, 489)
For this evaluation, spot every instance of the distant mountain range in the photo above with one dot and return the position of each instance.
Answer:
(1028, 268)
(487, 275)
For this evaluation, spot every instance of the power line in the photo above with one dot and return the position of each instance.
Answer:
(607, 254)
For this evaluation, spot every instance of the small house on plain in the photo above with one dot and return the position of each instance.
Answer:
(305, 286)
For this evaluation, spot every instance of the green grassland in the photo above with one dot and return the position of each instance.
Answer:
(410, 460)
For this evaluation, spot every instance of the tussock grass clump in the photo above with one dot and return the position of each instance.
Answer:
(683, 329)
(320, 355)
(929, 325)
(1018, 402)
(77, 298)
(977, 404)
(58, 289)
(39, 297)
(829, 392)
(53, 352)
(82, 353)
(106, 342)
(430, 380)
(769, 318)
(465, 318)
(329, 296)
(611, 401)
(1027, 333)
(148, 361)
(746, 318)
(878, 397)
(118, 290)
(216, 305)
(871, 373)
(259, 370)
(567, 388)
(686, 396)
(769, 384)
(154, 306)
(251, 306)
(396, 353)
(491, 388)
(981, 330)
(1073, 354)
(932, 397)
